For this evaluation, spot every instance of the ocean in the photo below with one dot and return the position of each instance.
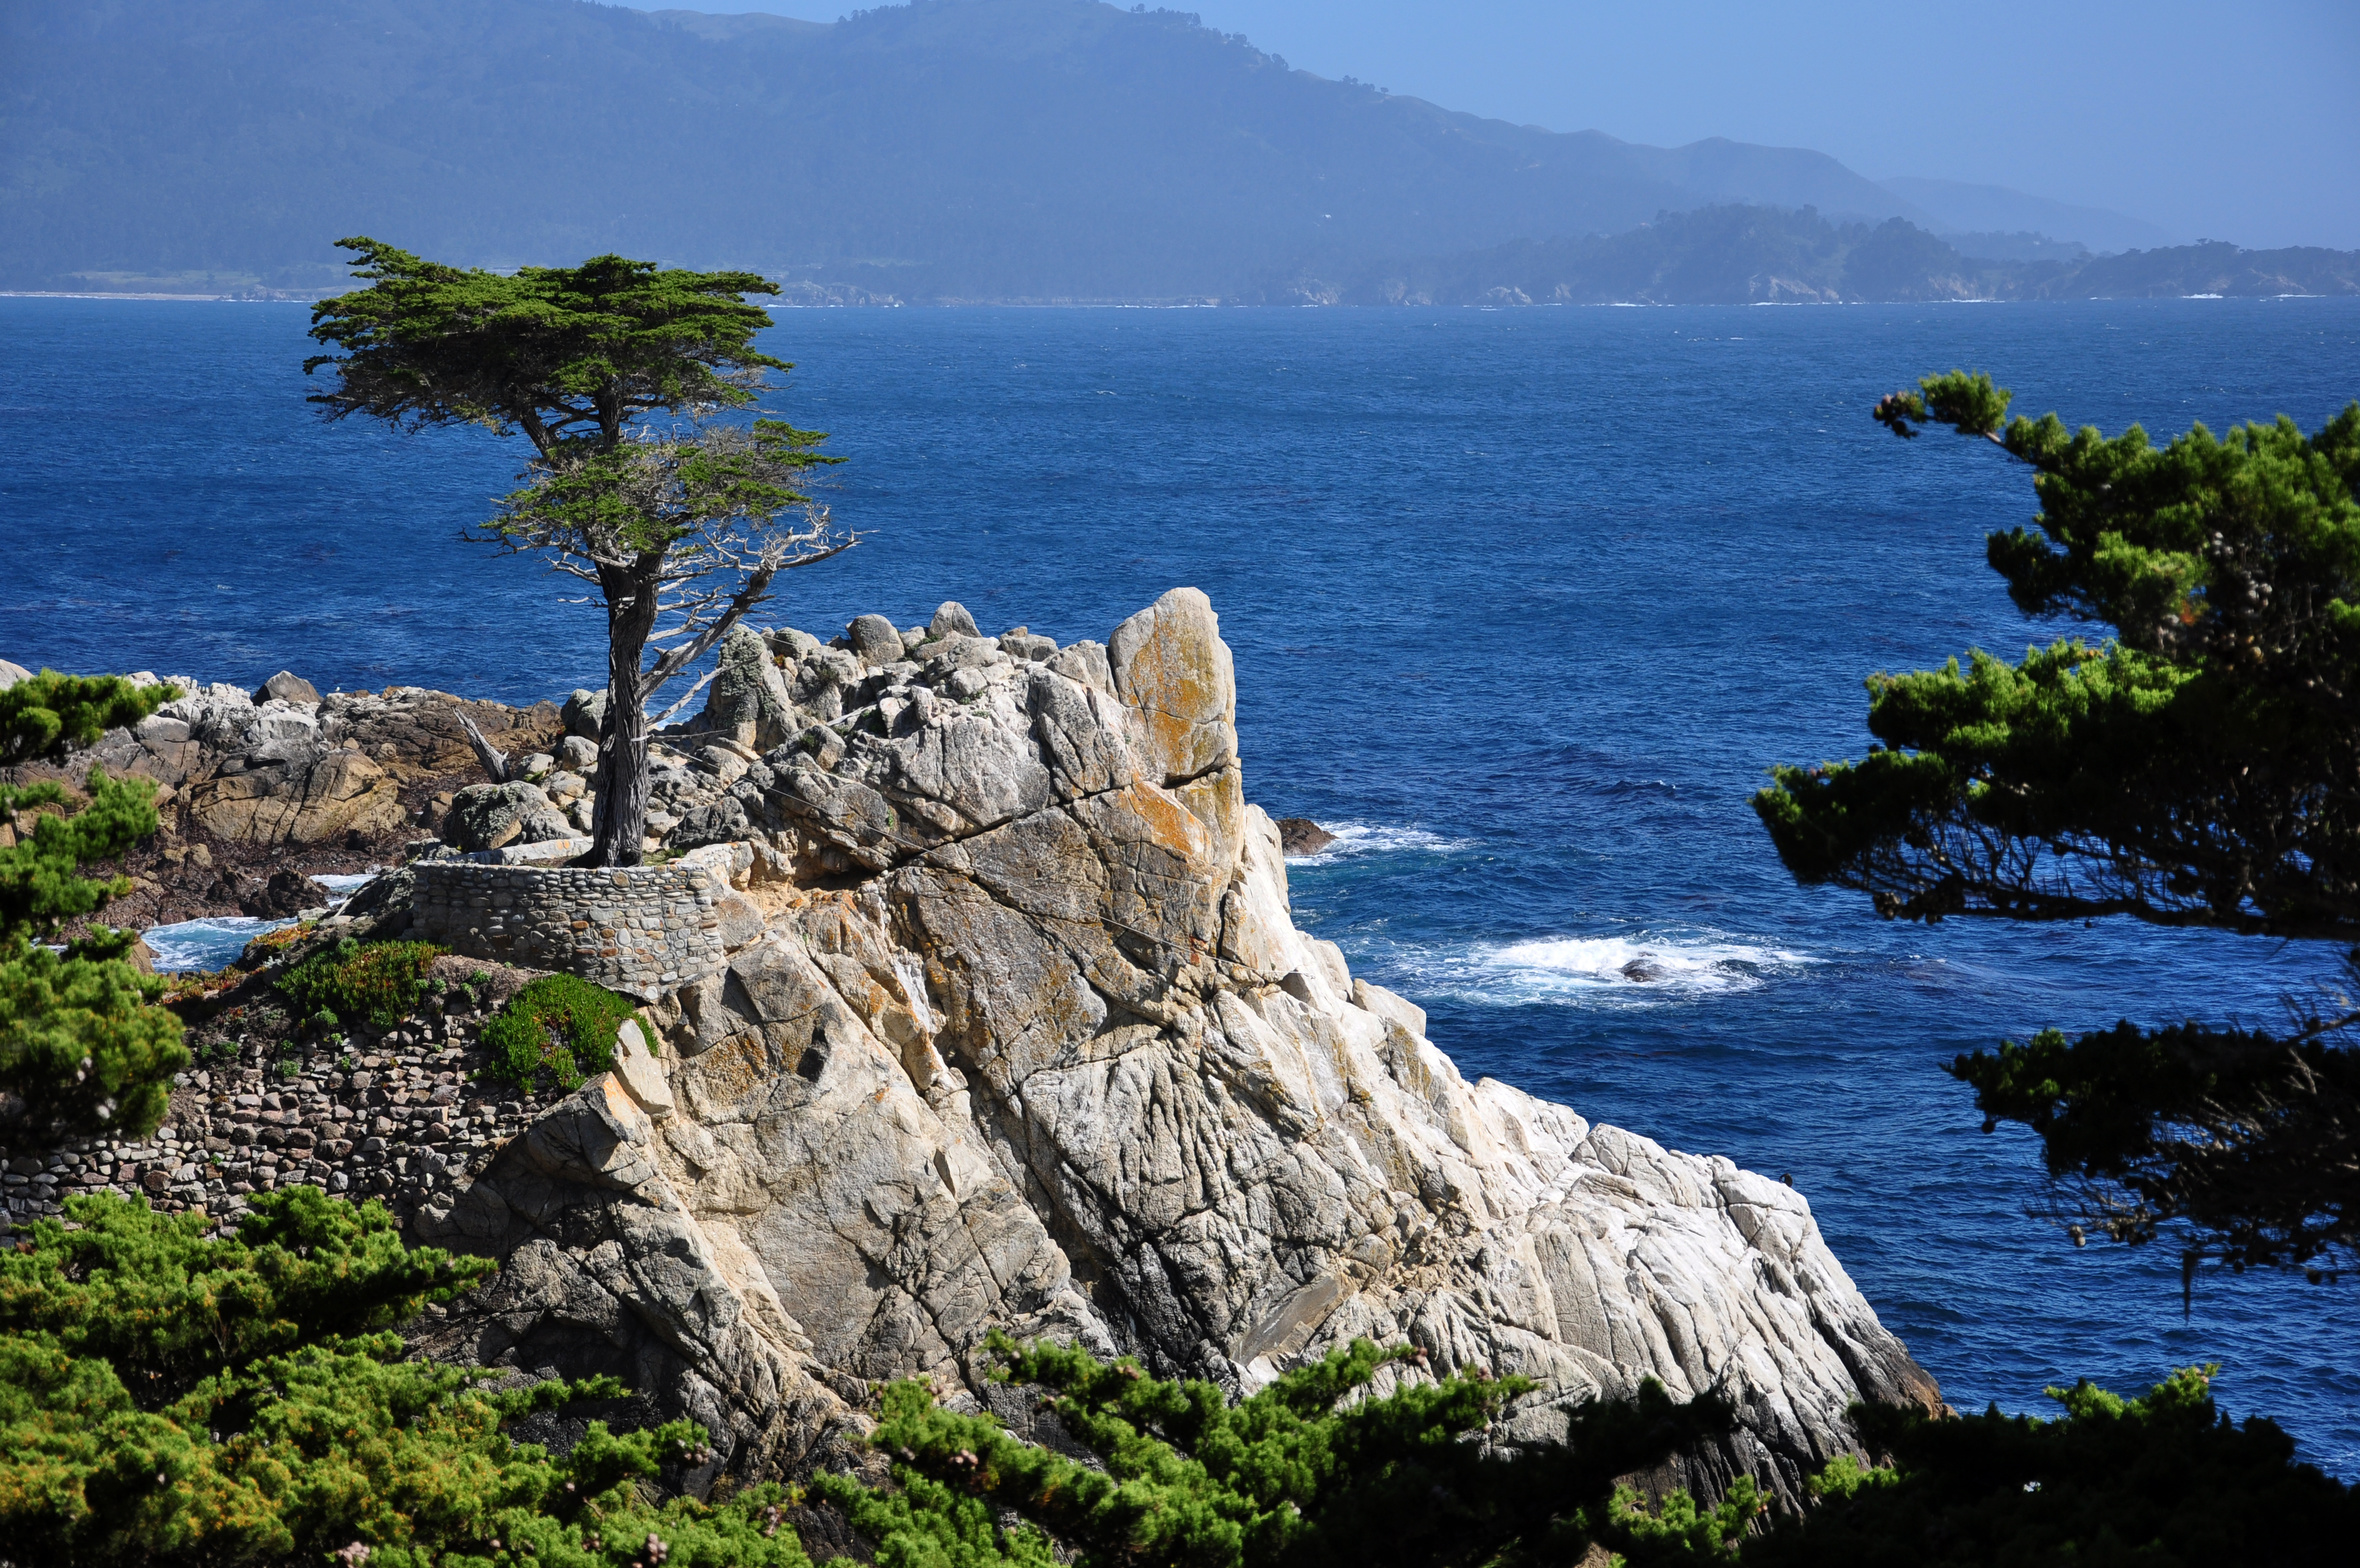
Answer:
(1523, 602)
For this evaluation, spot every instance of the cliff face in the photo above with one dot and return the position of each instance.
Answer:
(1026, 1038)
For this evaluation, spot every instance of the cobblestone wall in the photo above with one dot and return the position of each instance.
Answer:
(637, 929)
(396, 1117)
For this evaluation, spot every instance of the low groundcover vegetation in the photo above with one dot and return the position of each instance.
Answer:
(558, 1025)
(169, 1397)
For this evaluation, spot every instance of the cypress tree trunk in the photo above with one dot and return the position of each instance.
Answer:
(620, 823)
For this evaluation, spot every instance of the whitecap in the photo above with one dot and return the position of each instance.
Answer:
(1650, 969)
(1362, 838)
(208, 944)
(344, 884)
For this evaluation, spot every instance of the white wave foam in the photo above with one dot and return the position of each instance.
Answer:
(1362, 838)
(344, 882)
(1647, 970)
(205, 944)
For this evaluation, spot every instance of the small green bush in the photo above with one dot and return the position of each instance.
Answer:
(559, 1025)
(380, 982)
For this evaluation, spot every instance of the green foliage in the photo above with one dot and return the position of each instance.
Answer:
(82, 1042)
(1677, 1530)
(650, 494)
(379, 981)
(43, 716)
(2202, 1125)
(569, 354)
(2194, 770)
(2188, 773)
(170, 1400)
(560, 1025)
(41, 887)
(1311, 1470)
(2159, 1482)
(167, 1306)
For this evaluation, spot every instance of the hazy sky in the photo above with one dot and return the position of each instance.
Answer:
(2237, 121)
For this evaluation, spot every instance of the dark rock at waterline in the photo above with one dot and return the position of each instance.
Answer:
(1642, 970)
(1302, 836)
(286, 893)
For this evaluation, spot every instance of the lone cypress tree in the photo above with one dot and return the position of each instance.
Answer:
(681, 523)
(2199, 768)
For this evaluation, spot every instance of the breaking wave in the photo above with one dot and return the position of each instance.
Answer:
(1648, 970)
(205, 944)
(1361, 838)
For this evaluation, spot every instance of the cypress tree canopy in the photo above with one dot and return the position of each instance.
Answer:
(571, 355)
(82, 1045)
(2200, 767)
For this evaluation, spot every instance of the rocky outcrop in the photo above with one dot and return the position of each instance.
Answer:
(748, 700)
(492, 816)
(1027, 1038)
(253, 785)
(1302, 836)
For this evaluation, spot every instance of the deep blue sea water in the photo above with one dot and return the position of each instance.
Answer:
(1524, 600)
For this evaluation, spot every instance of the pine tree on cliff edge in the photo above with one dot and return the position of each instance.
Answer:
(2201, 768)
(688, 523)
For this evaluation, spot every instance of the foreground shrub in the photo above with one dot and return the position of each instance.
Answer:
(2159, 1482)
(1294, 1475)
(83, 1044)
(380, 982)
(45, 714)
(176, 1400)
(559, 1025)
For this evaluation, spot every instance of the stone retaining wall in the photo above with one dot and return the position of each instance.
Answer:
(398, 1116)
(637, 929)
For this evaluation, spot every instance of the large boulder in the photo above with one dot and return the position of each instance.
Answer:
(287, 686)
(413, 732)
(1031, 1042)
(307, 796)
(493, 816)
(873, 640)
(748, 699)
(10, 674)
(584, 714)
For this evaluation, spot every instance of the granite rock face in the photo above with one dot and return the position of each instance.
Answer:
(748, 699)
(284, 766)
(1028, 1039)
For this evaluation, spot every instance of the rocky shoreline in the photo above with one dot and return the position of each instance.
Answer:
(1005, 1023)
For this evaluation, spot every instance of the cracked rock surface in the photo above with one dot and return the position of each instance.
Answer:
(1026, 1038)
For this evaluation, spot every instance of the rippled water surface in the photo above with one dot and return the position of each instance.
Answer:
(1523, 603)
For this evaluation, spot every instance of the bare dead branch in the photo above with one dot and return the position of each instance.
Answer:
(494, 764)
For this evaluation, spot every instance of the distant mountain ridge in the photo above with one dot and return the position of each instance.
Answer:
(1007, 150)
(1957, 209)
(1750, 255)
